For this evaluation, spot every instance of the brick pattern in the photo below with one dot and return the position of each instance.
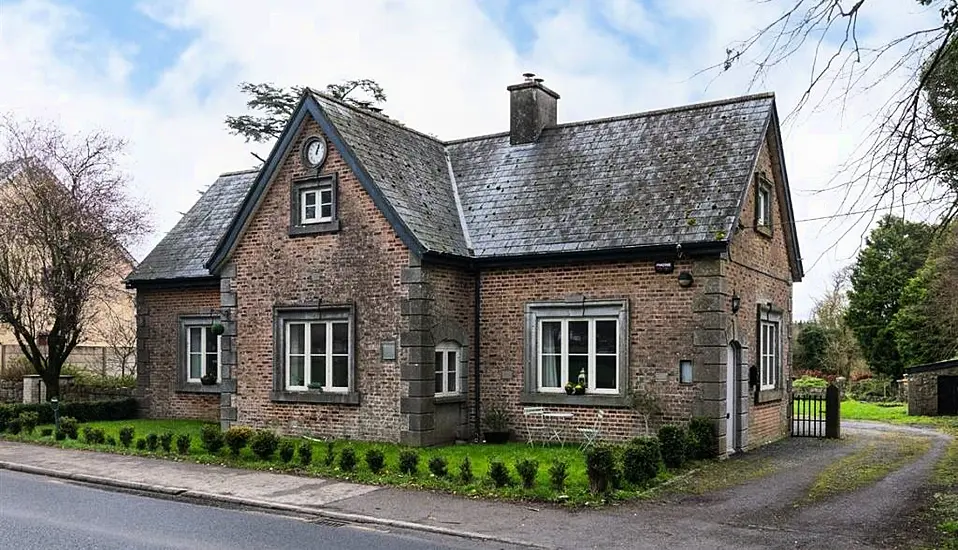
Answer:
(158, 324)
(361, 264)
(759, 272)
(661, 322)
(453, 315)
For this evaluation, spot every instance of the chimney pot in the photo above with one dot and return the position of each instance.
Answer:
(532, 108)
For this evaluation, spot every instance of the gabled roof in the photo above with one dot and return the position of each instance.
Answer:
(640, 182)
(183, 252)
(931, 367)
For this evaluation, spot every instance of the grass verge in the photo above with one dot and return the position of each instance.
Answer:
(894, 413)
(868, 465)
(574, 493)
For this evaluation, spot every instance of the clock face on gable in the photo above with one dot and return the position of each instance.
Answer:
(314, 151)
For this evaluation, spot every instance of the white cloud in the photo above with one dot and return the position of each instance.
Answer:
(444, 66)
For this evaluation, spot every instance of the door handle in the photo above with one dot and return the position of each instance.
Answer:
(728, 415)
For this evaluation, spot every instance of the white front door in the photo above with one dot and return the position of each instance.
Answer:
(731, 403)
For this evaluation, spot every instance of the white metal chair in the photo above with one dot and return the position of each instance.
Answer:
(535, 422)
(591, 435)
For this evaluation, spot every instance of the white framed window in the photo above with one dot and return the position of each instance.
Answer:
(447, 369)
(317, 355)
(202, 352)
(763, 203)
(769, 354)
(316, 205)
(568, 348)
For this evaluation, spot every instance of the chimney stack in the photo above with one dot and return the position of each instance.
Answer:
(532, 107)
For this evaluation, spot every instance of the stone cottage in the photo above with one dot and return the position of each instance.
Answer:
(375, 282)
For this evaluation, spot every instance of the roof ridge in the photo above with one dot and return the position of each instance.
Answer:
(377, 116)
(238, 172)
(641, 114)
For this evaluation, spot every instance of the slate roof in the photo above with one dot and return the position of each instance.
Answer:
(185, 249)
(645, 180)
(410, 170)
(649, 179)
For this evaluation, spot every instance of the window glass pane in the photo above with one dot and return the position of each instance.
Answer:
(297, 338)
(317, 338)
(340, 339)
(210, 340)
(605, 372)
(551, 337)
(310, 213)
(551, 377)
(196, 339)
(439, 361)
(438, 381)
(326, 197)
(297, 371)
(577, 364)
(196, 365)
(578, 337)
(317, 369)
(451, 359)
(451, 376)
(309, 198)
(606, 337)
(340, 371)
(326, 211)
(212, 364)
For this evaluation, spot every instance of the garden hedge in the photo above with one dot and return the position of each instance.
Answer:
(83, 411)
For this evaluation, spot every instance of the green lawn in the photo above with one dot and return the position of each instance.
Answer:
(895, 413)
(575, 492)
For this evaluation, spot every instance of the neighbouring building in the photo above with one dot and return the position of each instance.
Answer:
(933, 388)
(375, 282)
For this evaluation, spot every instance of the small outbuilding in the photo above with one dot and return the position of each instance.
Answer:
(933, 388)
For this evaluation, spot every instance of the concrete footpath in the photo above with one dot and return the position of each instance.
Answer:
(723, 520)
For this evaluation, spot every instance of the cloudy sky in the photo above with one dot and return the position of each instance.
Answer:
(163, 74)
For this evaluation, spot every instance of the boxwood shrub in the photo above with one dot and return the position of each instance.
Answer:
(83, 411)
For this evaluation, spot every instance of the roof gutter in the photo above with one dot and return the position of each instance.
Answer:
(211, 281)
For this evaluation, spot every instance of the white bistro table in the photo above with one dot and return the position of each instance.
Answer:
(557, 423)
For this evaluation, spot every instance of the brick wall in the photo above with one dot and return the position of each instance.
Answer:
(453, 318)
(661, 322)
(158, 326)
(361, 264)
(758, 270)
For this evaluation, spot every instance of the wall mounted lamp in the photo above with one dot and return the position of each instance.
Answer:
(736, 302)
(685, 279)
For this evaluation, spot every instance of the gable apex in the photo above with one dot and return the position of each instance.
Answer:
(307, 107)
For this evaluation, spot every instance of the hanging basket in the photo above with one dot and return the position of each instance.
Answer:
(217, 328)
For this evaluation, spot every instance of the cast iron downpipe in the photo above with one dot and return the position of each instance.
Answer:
(476, 306)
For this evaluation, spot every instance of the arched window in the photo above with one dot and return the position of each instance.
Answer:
(447, 368)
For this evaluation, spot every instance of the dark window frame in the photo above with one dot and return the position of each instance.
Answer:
(297, 188)
(535, 312)
(183, 383)
(312, 313)
(775, 315)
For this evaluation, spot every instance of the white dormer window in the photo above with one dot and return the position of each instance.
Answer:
(316, 205)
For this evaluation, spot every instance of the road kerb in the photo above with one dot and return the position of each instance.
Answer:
(229, 499)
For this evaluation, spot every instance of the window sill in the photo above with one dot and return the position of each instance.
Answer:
(444, 399)
(351, 398)
(225, 386)
(313, 228)
(769, 396)
(765, 230)
(589, 399)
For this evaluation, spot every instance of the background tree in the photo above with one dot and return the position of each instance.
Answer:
(894, 164)
(926, 325)
(811, 344)
(66, 220)
(275, 105)
(894, 252)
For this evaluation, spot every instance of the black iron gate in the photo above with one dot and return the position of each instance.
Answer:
(816, 413)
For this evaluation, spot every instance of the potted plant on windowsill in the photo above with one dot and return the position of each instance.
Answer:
(496, 425)
(315, 386)
(579, 389)
(569, 388)
(208, 379)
